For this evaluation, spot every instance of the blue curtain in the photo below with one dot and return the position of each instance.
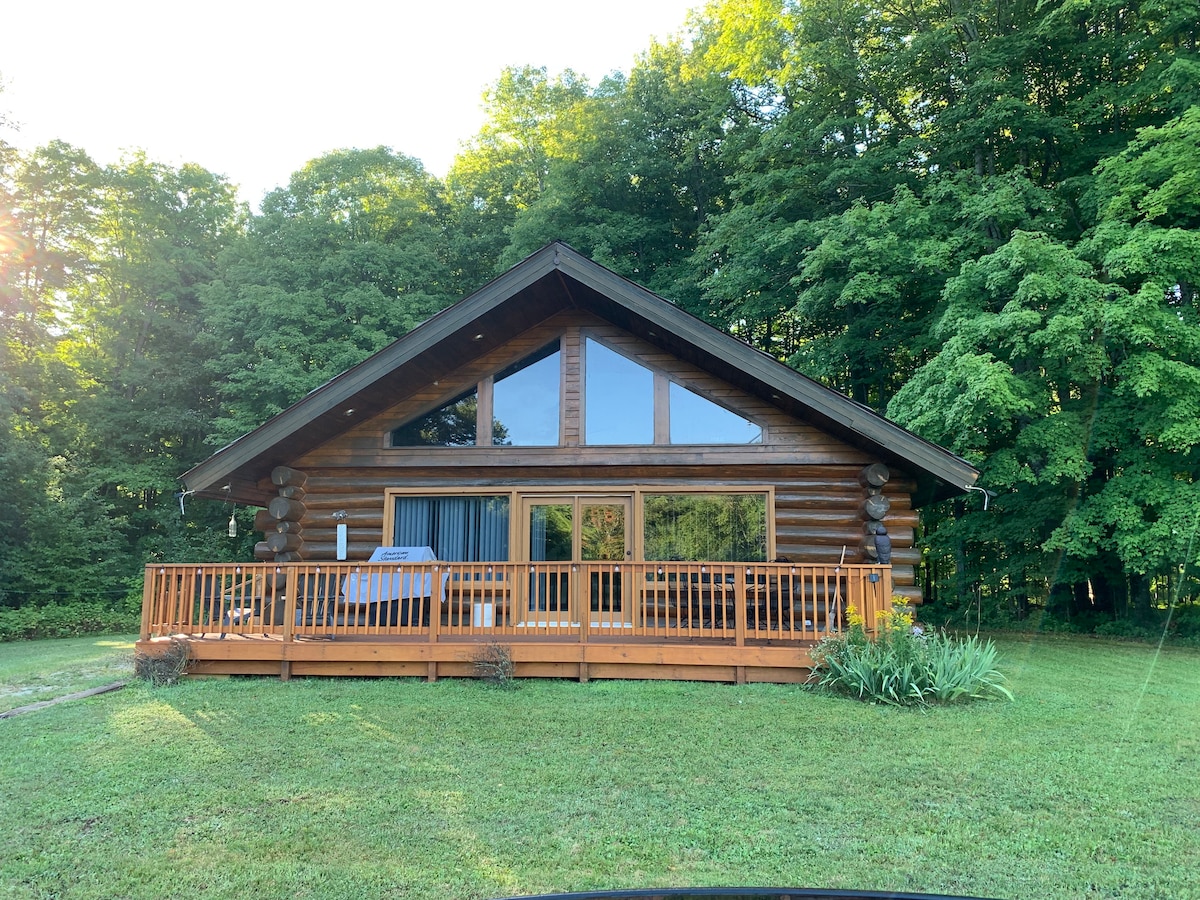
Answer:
(459, 529)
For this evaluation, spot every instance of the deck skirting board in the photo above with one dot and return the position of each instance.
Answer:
(696, 661)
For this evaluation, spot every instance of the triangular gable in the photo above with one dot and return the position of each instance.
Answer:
(555, 278)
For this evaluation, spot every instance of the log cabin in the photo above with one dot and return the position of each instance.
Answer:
(568, 469)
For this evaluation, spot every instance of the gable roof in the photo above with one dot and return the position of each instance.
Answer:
(554, 278)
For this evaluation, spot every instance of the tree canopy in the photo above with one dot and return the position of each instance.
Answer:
(980, 218)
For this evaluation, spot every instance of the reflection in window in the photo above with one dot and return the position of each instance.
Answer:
(618, 398)
(697, 420)
(550, 537)
(602, 531)
(525, 401)
(459, 529)
(551, 531)
(453, 425)
(714, 527)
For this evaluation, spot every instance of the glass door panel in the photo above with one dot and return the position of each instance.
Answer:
(550, 530)
(604, 529)
(604, 532)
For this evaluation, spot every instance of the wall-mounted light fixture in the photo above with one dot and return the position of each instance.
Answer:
(340, 518)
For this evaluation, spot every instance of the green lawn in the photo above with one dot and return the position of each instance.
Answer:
(40, 670)
(1087, 786)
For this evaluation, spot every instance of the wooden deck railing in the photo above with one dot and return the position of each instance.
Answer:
(578, 601)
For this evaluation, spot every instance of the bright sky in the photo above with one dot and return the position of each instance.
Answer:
(253, 89)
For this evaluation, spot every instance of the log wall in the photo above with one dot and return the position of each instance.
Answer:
(818, 509)
(825, 512)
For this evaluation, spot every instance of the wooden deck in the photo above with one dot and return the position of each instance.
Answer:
(733, 622)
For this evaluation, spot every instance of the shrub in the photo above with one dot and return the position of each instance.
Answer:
(1185, 621)
(493, 663)
(68, 620)
(163, 668)
(906, 666)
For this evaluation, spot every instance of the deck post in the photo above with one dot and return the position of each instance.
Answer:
(290, 585)
(147, 598)
(435, 618)
(741, 602)
(741, 593)
(583, 608)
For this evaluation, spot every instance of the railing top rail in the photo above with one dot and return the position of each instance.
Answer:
(259, 566)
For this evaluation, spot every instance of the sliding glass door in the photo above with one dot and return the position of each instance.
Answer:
(562, 529)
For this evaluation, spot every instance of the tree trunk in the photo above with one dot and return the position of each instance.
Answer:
(1139, 595)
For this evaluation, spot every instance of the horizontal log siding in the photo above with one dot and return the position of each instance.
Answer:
(816, 507)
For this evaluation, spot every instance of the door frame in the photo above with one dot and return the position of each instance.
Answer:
(577, 592)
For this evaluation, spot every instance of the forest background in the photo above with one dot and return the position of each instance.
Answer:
(978, 218)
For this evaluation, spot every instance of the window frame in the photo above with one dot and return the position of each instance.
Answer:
(576, 413)
(636, 492)
(661, 391)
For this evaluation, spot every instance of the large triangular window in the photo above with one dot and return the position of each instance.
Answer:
(697, 420)
(525, 403)
(626, 402)
(452, 424)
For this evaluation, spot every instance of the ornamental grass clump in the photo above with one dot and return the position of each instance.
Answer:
(906, 666)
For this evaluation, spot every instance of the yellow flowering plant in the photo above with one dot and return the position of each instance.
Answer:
(903, 665)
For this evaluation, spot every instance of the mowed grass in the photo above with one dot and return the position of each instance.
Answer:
(1087, 786)
(31, 671)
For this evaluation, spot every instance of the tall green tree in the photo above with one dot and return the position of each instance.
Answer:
(638, 170)
(105, 397)
(1147, 244)
(47, 209)
(343, 261)
(1015, 389)
(503, 169)
(1073, 377)
(144, 404)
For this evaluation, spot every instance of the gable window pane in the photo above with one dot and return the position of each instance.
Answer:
(459, 529)
(709, 527)
(697, 420)
(451, 425)
(618, 398)
(525, 401)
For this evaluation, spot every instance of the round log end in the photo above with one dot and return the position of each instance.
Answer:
(876, 507)
(874, 475)
(283, 543)
(286, 510)
(285, 475)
